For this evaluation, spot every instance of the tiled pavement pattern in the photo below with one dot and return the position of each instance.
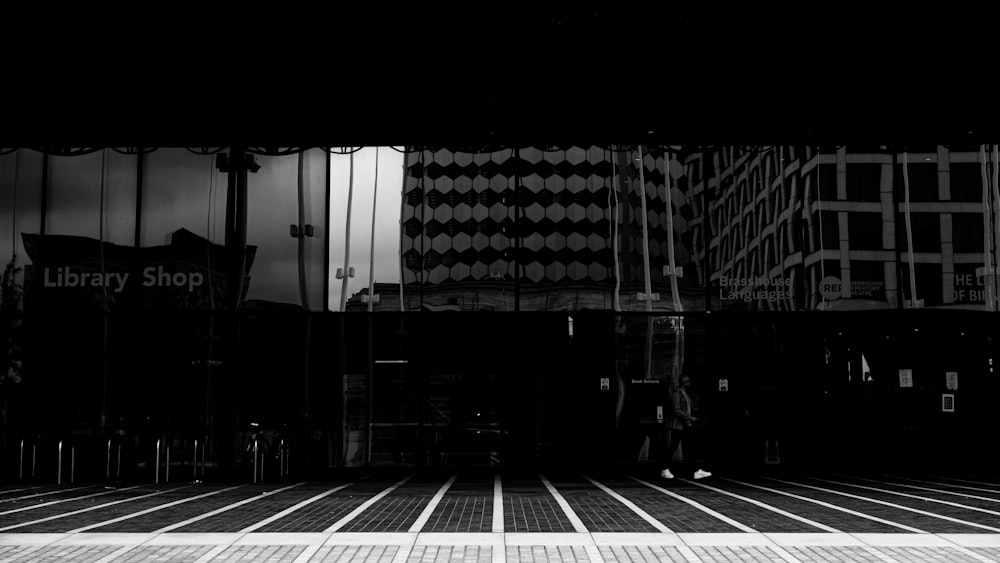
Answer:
(939, 525)
(323, 513)
(744, 513)
(183, 512)
(418, 522)
(542, 553)
(156, 496)
(841, 521)
(528, 507)
(466, 513)
(988, 501)
(599, 511)
(638, 553)
(605, 553)
(451, 554)
(88, 498)
(468, 506)
(397, 511)
(675, 514)
(913, 519)
(243, 516)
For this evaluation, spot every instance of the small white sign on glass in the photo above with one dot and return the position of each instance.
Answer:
(948, 402)
(906, 378)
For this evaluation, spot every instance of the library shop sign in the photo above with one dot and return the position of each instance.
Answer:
(152, 276)
(754, 289)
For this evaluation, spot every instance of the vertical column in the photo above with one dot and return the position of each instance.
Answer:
(889, 234)
(845, 247)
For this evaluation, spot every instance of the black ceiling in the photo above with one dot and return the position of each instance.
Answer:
(499, 74)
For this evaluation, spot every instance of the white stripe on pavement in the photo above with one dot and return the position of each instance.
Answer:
(766, 506)
(364, 506)
(8, 491)
(832, 506)
(893, 505)
(944, 484)
(290, 510)
(81, 511)
(51, 502)
(497, 504)
(148, 510)
(224, 509)
(942, 491)
(701, 507)
(429, 509)
(632, 506)
(926, 499)
(970, 481)
(573, 518)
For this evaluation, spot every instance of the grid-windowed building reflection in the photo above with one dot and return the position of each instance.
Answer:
(777, 229)
(832, 229)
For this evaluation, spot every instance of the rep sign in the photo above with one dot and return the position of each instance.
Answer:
(830, 288)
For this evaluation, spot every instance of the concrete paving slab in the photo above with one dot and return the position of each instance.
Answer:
(102, 539)
(902, 540)
(473, 538)
(282, 538)
(30, 539)
(548, 538)
(724, 539)
(192, 538)
(814, 539)
(973, 540)
(637, 539)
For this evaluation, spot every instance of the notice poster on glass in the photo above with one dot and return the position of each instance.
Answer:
(951, 380)
(906, 378)
(948, 402)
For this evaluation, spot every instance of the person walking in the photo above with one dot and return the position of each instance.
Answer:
(682, 429)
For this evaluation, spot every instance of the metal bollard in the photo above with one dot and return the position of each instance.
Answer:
(118, 466)
(59, 466)
(72, 464)
(281, 458)
(166, 478)
(34, 459)
(255, 443)
(157, 480)
(194, 462)
(20, 465)
(284, 458)
(107, 473)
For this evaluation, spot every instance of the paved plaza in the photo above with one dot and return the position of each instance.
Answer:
(496, 517)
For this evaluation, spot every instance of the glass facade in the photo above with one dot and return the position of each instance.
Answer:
(529, 304)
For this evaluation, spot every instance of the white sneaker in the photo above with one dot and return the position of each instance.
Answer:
(666, 474)
(701, 474)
